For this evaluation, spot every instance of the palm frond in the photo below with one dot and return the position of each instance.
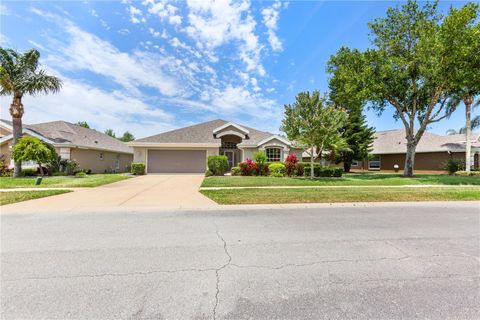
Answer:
(40, 82)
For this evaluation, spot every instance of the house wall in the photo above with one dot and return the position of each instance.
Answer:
(5, 152)
(4, 132)
(89, 159)
(140, 153)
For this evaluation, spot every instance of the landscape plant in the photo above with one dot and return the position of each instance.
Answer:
(235, 171)
(290, 164)
(30, 148)
(412, 68)
(277, 169)
(314, 123)
(138, 168)
(218, 165)
(248, 168)
(261, 160)
(454, 165)
(20, 75)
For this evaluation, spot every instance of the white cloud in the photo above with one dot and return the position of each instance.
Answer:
(93, 13)
(101, 109)
(85, 51)
(164, 10)
(4, 10)
(136, 15)
(4, 40)
(270, 20)
(124, 31)
(215, 23)
(158, 34)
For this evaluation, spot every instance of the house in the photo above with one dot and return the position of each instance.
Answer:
(389, 149)
(185, 150)
(90, 149)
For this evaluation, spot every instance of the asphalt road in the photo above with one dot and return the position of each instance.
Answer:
(393, 262)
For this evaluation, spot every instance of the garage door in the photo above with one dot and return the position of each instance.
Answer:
(176, 161)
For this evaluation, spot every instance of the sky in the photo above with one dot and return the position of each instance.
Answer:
(155, 65)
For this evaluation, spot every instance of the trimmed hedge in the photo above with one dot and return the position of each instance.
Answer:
(235, 171)
(319, 171)
(465, 173)
(218, 165)
(138, 168)
(277, 169)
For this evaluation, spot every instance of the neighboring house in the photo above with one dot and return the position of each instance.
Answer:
(186, 150)
(90, 149)
(389, 149)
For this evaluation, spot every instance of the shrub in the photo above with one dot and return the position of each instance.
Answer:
(260, 157)
(465, 173)
(71, 167)
(218, 165)
(29, 172)
(454, 165)
(5, 171)
(292, 157)
(299, 169)
(208, 173)
(235, 171)
(277, 169)
(248, 168)
(263, 170)
(337, 172)
(80, 174)
(138, 168)
(319, 171)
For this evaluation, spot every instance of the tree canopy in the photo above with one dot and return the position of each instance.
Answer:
(411, 68)
(83, 124)
(127, 136)
(30, 148)
(313, 122)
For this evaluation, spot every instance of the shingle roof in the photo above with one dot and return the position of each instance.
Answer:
(63, 132)
(201, 133)
(393, 141)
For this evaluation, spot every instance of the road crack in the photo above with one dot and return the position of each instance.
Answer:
(217, 271)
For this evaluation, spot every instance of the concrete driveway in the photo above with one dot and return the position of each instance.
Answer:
(160, 191)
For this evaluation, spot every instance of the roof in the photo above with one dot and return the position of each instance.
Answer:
(202, 133)
(394, 141)
(62, 132)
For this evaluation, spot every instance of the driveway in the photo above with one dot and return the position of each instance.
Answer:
(165, 191)
(391, 262)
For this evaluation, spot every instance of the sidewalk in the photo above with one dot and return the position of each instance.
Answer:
(346, 186)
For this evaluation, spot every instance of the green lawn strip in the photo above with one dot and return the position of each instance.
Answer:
(18, 196)
(286, 195)
(93, 180)
(355, 179)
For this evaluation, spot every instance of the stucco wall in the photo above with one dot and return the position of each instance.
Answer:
(5, 152)
(4, 132)
(90, 160)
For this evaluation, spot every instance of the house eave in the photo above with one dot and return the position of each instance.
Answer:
(172, 145)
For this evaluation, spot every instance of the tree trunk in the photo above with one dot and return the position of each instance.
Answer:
(410, 158)
(347, 162)
(40, 168)
(311, 163)
(468, 103)
(16, 111)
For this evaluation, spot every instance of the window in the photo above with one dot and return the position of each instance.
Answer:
(229, 145)
(355, 163)
(374, 163)
(273, 154)
(101, 155)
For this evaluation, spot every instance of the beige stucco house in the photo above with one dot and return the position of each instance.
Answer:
(186, 150)
(92, 150)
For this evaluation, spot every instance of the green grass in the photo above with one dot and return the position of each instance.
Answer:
(18, 196)
(93, 180)
(352, 179)
(305, 195)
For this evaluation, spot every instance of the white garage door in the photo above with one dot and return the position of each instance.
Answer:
(176, 161)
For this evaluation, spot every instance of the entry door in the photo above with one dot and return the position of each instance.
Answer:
(230, 158)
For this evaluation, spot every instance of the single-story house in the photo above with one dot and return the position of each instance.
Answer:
(185, 150)
(90, 149)
(389, 149)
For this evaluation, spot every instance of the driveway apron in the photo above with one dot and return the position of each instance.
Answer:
(163, 191)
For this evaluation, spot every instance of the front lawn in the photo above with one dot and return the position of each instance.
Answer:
(93, 180)
(351, 179)
(316, 195)
(18, 196)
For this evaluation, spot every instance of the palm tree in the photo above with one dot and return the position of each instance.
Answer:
(19, 75)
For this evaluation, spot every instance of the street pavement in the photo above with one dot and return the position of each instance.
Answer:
(338, 262)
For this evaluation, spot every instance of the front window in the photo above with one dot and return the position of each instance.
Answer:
(355, 163)
(374, 163)
(100, 155)
(273, 154)
(229, 145)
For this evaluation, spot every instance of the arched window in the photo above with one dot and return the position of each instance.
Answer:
(273, 154)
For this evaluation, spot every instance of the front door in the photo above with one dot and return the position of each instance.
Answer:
(230, 158)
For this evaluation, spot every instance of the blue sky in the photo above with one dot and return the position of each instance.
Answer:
(154, 65)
